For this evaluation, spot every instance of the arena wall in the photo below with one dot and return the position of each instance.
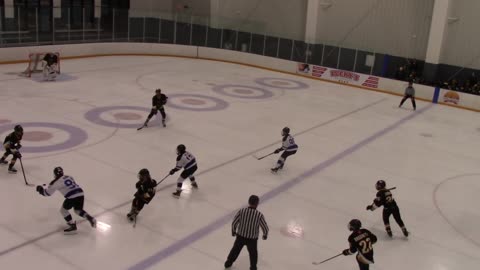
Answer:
(357, 80)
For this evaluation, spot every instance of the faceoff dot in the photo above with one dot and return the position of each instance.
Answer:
(243, 91)
(127, 116)
(280, 83)
(192, 101)
(37, 136)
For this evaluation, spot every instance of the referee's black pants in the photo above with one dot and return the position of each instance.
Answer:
(237, 247)
(408, 97)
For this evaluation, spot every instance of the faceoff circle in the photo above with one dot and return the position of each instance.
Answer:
(76, 136)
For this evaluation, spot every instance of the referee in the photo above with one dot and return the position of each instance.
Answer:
(245, 226)
(409, 94)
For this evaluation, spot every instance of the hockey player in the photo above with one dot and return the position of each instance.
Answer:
(361, 241)
(12, 146)
(74, 198)
(288, 147)
(188, 162)
(409, 94)
(390, 207)
(50, 66)
(145, 193)
(158, 101)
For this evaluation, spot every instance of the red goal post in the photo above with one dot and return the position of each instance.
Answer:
(35, 63)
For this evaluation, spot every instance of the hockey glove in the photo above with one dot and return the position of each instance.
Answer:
(370, 207)
(17, 155)
(346, 252)
(264, 237)
(234, 234)
(173, 171)
(19, 146)
(278, 150)
(40, 190)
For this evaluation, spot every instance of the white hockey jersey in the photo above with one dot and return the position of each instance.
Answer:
(289, 144)
(185, 161)
(65, 185)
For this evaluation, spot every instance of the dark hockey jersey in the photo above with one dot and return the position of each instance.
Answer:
(50, 58)
(159, 101)
(385, 198)
(362, 241)
(12, 140)
(146, 189)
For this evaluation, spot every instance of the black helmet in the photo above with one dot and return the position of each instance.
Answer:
(354, 225)
(380, 184)
(158, 91)
(285, 131)
(143, 172)
(58, 172)
(18, 128)
(181, 149)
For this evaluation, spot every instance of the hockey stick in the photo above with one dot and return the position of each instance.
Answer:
(162, 180)
(24, 177)
(392, 188)
(135, 221)
(140, 128)
(331, 258)
(260, 158)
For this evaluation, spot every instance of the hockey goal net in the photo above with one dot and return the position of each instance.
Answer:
(36, 64)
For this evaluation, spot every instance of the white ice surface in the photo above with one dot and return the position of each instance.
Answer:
(432, 159)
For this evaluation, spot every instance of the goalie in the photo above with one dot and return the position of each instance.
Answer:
(50, 66)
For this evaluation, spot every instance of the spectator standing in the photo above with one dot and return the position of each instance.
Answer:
(400, 74)
(409, 94)
(246, 227)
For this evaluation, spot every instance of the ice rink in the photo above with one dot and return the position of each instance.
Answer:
(225, 113)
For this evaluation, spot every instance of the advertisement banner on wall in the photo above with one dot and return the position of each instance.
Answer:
(337, 75)
(450, 97)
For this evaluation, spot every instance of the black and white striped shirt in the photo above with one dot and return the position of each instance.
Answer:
(247, 222)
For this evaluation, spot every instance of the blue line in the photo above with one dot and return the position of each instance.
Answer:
(436, 94)
(222, 221)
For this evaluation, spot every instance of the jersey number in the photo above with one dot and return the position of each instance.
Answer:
(70, 183)
(366, 245)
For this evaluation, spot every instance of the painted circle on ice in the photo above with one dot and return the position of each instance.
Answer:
(451, 196)
(281, 83)
(127, 116)
(76, 136)
(194, 102)
(37, 136)
(242, 91)
(123, 117)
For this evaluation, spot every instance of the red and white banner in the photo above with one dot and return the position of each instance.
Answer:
(342, 76)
